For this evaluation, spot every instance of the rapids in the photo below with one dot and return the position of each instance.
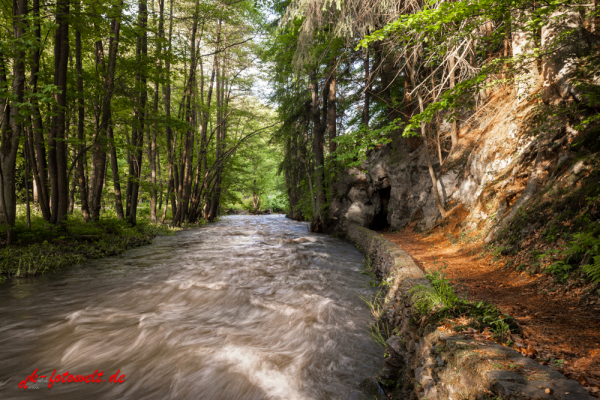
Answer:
(245, 308)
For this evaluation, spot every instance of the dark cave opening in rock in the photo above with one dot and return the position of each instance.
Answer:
(380, 220)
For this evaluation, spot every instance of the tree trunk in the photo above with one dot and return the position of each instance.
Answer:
(167, 102)
(436, 193)
(153, 148)
(366, 110)
(57, 155)
(73, 188)
(318, 143)
(434, 181)
(203, 133)
(11, 135)
(188, 145)
(114, 166)
(27, 204)
(109, 84)
(137, 135)
(83, 192)
(38, 157)
(129, 175)
(214, 203)
(332, 124)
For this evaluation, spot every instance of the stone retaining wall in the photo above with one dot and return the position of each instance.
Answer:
(443, 365)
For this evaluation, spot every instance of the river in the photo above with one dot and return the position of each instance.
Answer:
(245, 308)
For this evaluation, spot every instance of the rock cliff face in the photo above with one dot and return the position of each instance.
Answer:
(504, 159)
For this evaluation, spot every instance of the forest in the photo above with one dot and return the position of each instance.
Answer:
(178, 112)
(109, 105)
(464, 131)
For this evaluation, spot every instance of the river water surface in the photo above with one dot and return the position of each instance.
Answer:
(245, 308)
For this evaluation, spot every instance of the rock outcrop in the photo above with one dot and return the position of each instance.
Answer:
(505, 157)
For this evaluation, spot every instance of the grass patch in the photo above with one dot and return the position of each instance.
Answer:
(380, 329)
(438, 304)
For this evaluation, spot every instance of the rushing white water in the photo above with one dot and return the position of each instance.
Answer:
(246, 308)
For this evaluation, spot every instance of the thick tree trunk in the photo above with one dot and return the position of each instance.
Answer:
(32, 162)
(167, 103)
(188, 145)
(203, 138)
(11, 135)
(212, 198)
(214, 203)
(129, 175)
(57, 155)
(152, 160)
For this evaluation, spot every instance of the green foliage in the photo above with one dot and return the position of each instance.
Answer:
(439, 295)
(439, 302)
(375, 302)
(252, 175)
(380, 332)
(352, 147)
(438, 28)
(45, 248)
(584, 249)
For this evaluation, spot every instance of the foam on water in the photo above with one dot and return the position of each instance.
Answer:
(247, 308)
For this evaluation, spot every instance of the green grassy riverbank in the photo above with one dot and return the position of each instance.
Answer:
(44, 248)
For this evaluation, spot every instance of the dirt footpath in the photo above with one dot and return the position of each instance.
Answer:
(563, 329)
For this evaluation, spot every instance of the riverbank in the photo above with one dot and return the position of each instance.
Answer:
(45, 248)
(561, 323)
(436, 346)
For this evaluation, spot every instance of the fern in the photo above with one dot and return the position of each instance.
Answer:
(584, 246)
(593, 270)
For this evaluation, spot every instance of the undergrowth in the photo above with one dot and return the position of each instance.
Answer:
(380, 330)
(44, 248)
(584, 252)
(438, 303)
